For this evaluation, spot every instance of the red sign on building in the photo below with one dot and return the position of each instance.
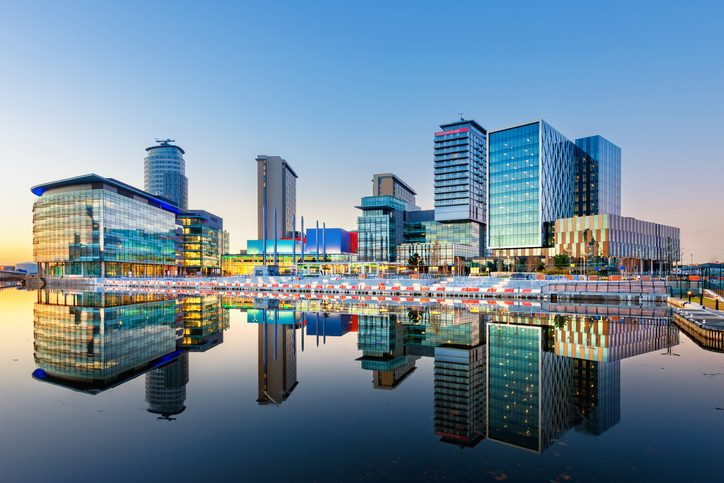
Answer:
(454, 131)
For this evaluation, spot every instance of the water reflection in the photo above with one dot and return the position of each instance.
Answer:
(94, 341)
(277, 351)
(515, 373)
(166, 388)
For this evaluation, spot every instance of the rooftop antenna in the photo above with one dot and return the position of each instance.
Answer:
(165, 142)
(461, 118)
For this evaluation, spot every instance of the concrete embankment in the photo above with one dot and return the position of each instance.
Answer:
(705, 326)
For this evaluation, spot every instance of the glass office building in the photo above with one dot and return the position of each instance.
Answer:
(381, 227)
(164, 173)
(92, 226)
(537, 176)
(598, 177)
(440, 243)
(203, 240)
(460, 172)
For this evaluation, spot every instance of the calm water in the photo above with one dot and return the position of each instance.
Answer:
(117, 387)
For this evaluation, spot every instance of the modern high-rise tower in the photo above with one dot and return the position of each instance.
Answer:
(164, 173)
(277, 189)
(537, 176)
(460, 172)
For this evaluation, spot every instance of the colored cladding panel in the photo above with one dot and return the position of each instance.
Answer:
(336, 240)
(256, 247)
(353, 323)
(616, 236)
(333, 325)
(285, 317)
(353, 242)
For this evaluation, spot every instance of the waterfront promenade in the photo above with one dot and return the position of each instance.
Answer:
(470, 288)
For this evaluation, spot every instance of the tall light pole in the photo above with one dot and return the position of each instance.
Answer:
(294, 240)
(264, 238)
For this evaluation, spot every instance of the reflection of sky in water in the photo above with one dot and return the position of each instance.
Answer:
(370, 392)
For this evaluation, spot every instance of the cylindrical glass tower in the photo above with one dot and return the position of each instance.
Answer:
(164, 173)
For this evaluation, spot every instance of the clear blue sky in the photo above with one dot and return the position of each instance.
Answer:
(343, 90)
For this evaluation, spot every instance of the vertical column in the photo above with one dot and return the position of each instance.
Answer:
(275, 236)
(264, 239)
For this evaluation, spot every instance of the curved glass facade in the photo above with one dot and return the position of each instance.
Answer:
(96, 230)
(164, 174)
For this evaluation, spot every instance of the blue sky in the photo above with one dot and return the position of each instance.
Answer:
(343, 90)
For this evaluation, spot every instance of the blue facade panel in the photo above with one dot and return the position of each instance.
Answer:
(331, 325)
(337, 240)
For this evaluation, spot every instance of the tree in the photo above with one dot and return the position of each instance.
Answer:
(561, 261)
(327, 258)
(435, 254)
(414, 261)
(532, 264)
(414, 316)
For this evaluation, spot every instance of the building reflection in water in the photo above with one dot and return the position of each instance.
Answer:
(549, 373)
(381, 340)
(93, 341)
(276, 353)
(204, 321)
(518, 375)
(166, 388)
(90, 341)
(460, 392)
